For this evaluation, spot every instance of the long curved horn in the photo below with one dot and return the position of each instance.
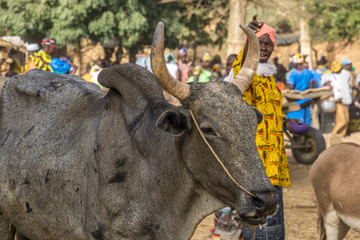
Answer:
(163, 77)
(244, 77)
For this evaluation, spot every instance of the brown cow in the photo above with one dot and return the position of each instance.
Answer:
(335, 176)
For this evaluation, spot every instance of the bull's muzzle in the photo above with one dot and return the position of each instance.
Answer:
(263, 204)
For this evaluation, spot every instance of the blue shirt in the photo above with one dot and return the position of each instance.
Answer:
(301, 79)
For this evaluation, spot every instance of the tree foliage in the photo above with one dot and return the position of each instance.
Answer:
(334, 19)
(211, 16)
(131, 22)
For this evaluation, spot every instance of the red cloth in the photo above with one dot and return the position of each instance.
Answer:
(51, 42)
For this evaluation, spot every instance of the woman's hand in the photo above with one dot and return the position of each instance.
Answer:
(255, 25)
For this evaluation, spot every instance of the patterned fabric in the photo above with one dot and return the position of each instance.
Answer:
(265, 96)
(226, 224)
(39, 60)
(51, 42)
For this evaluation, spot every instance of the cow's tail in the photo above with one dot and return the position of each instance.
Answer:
(321, 226)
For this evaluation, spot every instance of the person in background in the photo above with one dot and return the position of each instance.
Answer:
(202, 72)
(142, 59)
(229, 62)
(205, 61)
(280, 74)
(42, 59)
(331, 76)
(63, 65)
(264, 94)
(185, 66)
(200, 75)
(215, 68)
(301, 79)
(95, 71)
(172, 66)
(342, 90)
(31, 49)
(174, 71)
(92, 75)
(215, 60)
(215, 73)
(227, 225)
(347, 65)
(356, 88)
(321, 70)
(290, 68)
(322, 66)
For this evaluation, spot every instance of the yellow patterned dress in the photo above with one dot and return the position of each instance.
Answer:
(265, 96)
(40, 60)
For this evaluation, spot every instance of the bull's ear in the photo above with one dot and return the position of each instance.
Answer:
(259, 115)
(172, 121)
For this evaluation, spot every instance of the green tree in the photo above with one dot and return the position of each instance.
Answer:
(334, 19)
(131, 22)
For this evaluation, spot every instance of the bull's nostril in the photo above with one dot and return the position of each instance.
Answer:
(265, 202)
(258, 203)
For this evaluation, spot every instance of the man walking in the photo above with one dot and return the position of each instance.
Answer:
(342, 89)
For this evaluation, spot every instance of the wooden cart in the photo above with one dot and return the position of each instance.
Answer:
(307, 147)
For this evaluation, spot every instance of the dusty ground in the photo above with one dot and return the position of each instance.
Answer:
(299, 205)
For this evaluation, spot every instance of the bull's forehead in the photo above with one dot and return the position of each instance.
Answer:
(219, 101)
(222, 98)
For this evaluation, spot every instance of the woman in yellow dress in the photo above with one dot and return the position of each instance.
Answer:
(264, 94)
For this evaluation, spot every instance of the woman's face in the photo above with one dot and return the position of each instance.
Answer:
(49, 50)
(266, 48)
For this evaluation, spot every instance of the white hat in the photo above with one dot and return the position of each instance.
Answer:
(32, 47)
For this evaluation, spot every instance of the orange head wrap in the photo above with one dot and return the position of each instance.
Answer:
(266, 29)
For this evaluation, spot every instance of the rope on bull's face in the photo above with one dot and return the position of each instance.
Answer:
(222, 165)
(218, 159)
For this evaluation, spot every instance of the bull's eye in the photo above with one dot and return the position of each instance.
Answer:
(208, 131)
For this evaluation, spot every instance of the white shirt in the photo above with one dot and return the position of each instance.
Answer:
(342, 88)
(173, 69)
(94, 72)
(327, 79)
(357, 80)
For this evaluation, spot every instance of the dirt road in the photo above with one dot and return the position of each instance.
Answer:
(299, 205)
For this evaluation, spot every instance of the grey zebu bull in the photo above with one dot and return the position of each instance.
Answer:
(335, 177)
(78, 164)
